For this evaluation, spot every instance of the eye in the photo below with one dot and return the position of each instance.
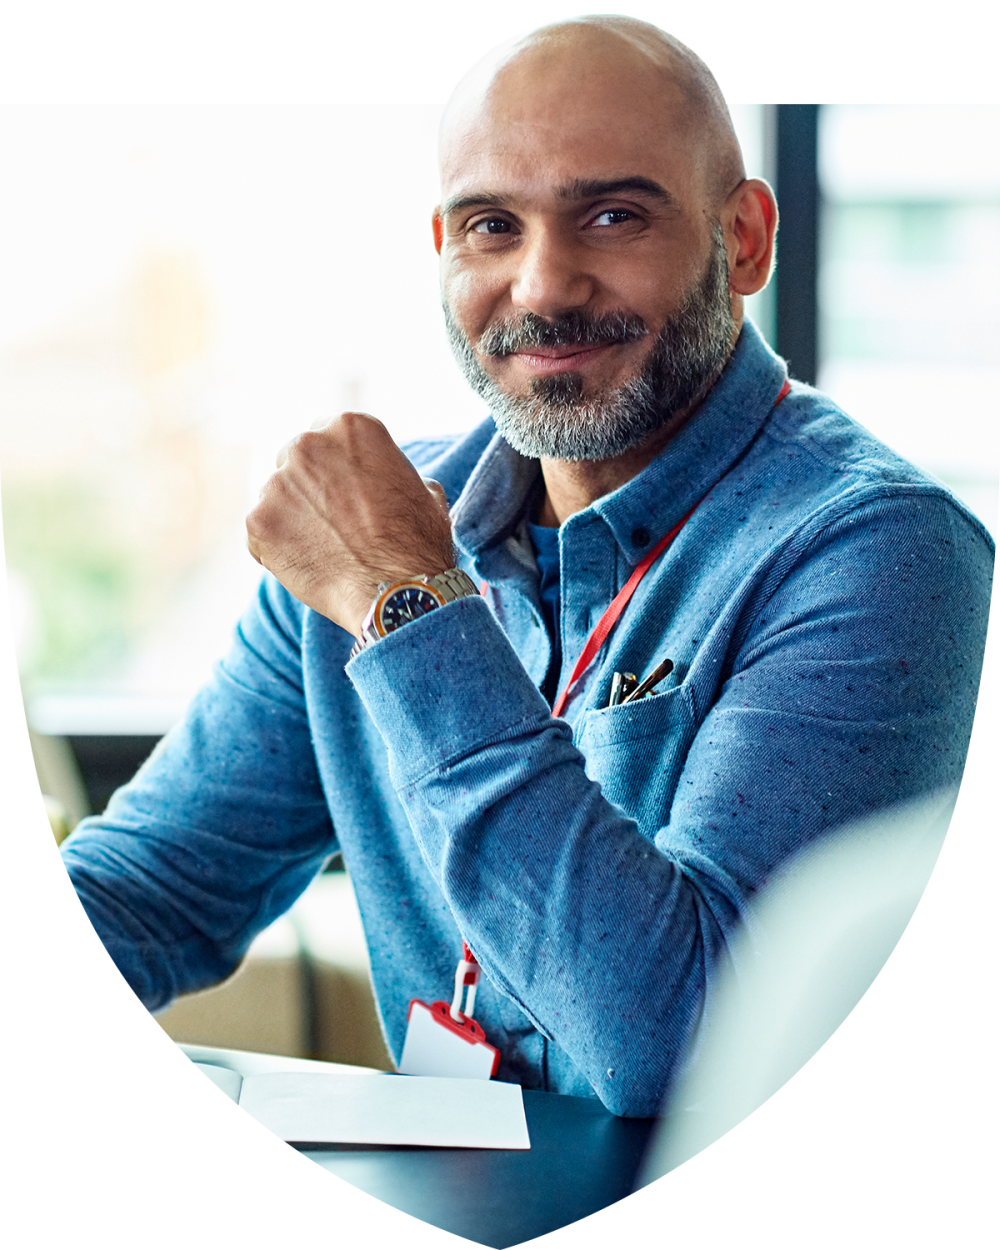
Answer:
(612, 217)
(491, 225)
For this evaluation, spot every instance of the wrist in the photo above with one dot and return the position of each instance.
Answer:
(372, 583)
(406, 599)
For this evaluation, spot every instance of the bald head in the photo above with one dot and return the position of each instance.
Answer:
(646, 77)
(597, 236)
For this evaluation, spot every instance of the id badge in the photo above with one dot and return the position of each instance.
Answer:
(442, 1040)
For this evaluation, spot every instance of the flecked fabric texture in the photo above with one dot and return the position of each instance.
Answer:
(825, 609)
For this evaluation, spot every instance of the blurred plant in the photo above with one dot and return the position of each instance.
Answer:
(82, 574)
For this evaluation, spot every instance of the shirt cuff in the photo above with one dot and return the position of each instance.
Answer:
(442, 686)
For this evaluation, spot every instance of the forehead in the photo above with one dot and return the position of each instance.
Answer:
(540, 126)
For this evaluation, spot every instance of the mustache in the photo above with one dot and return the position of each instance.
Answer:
(572, 329)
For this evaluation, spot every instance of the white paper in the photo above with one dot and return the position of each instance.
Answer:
(389, 1110)
(249, 1062)
(227, 1080)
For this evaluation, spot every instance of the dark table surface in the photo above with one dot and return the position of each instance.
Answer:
(581, 1159)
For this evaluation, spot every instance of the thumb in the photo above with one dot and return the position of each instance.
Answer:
(437, 490)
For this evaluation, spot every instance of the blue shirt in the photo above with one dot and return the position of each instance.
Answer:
(825, 608)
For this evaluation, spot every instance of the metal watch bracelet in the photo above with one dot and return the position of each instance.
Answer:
(450, 585)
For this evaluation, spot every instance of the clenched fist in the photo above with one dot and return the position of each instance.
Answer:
(345, 511)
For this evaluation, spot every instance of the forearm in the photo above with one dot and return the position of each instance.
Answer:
(221, 829)
(571, 911)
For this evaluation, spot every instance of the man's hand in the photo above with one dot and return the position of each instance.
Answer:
(345, 511)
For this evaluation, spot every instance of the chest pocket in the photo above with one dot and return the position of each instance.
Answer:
(636, 752)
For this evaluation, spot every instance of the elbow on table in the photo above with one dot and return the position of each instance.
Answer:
(629, 1099)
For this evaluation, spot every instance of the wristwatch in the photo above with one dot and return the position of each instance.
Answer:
(398, 603)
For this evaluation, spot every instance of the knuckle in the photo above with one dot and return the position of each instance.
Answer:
(255, 527)
(306, 443)
(261, 518)
(361, 427)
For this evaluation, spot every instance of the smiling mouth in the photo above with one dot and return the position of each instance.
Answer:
(559, 359)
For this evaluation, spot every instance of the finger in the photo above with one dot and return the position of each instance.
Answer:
(437, 490)
(282, 455)
(321, 423)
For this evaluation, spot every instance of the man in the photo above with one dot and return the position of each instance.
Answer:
(823, 605)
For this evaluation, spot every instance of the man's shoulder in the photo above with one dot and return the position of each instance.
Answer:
(452, 458)
(816, 424)
(841, 457)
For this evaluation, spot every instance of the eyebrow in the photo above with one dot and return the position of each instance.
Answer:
(578, 189)
(478, 199)
(592, 188)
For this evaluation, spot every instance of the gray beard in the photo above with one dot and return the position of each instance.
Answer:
(557, 421)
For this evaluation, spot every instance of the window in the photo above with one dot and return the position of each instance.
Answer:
(908, 271)
(181, 291)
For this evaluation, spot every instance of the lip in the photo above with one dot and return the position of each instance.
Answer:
(560, 359)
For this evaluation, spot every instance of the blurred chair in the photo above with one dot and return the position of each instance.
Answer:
(61, 783)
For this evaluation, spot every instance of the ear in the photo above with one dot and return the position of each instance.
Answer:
(437, 225)
(750, 220)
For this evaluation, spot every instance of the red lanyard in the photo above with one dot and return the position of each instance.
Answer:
(617, 605)
(613, 611)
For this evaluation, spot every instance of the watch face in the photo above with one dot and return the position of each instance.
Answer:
(404, 604)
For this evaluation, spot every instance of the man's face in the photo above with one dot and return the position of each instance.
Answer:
(584, 278)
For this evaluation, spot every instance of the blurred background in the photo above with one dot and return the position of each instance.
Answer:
(184, 288)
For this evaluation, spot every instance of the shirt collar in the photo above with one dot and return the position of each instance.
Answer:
(497, 493)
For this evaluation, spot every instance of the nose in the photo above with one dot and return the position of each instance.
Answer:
(552, 275)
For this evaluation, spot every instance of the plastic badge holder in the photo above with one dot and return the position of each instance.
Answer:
(437, 1045)
(442, 1040)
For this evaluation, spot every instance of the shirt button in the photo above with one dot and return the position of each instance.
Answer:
(640, 536)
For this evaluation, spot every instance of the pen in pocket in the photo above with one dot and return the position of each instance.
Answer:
(644, 687)
(622, 685)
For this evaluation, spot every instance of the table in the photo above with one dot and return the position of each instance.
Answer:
(582, 1158)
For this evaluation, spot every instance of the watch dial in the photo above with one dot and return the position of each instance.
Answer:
(406, 604)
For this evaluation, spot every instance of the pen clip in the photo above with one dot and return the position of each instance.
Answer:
(655, 677)
(622, 684)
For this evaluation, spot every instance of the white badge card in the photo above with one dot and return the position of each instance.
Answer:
(438, 1045)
